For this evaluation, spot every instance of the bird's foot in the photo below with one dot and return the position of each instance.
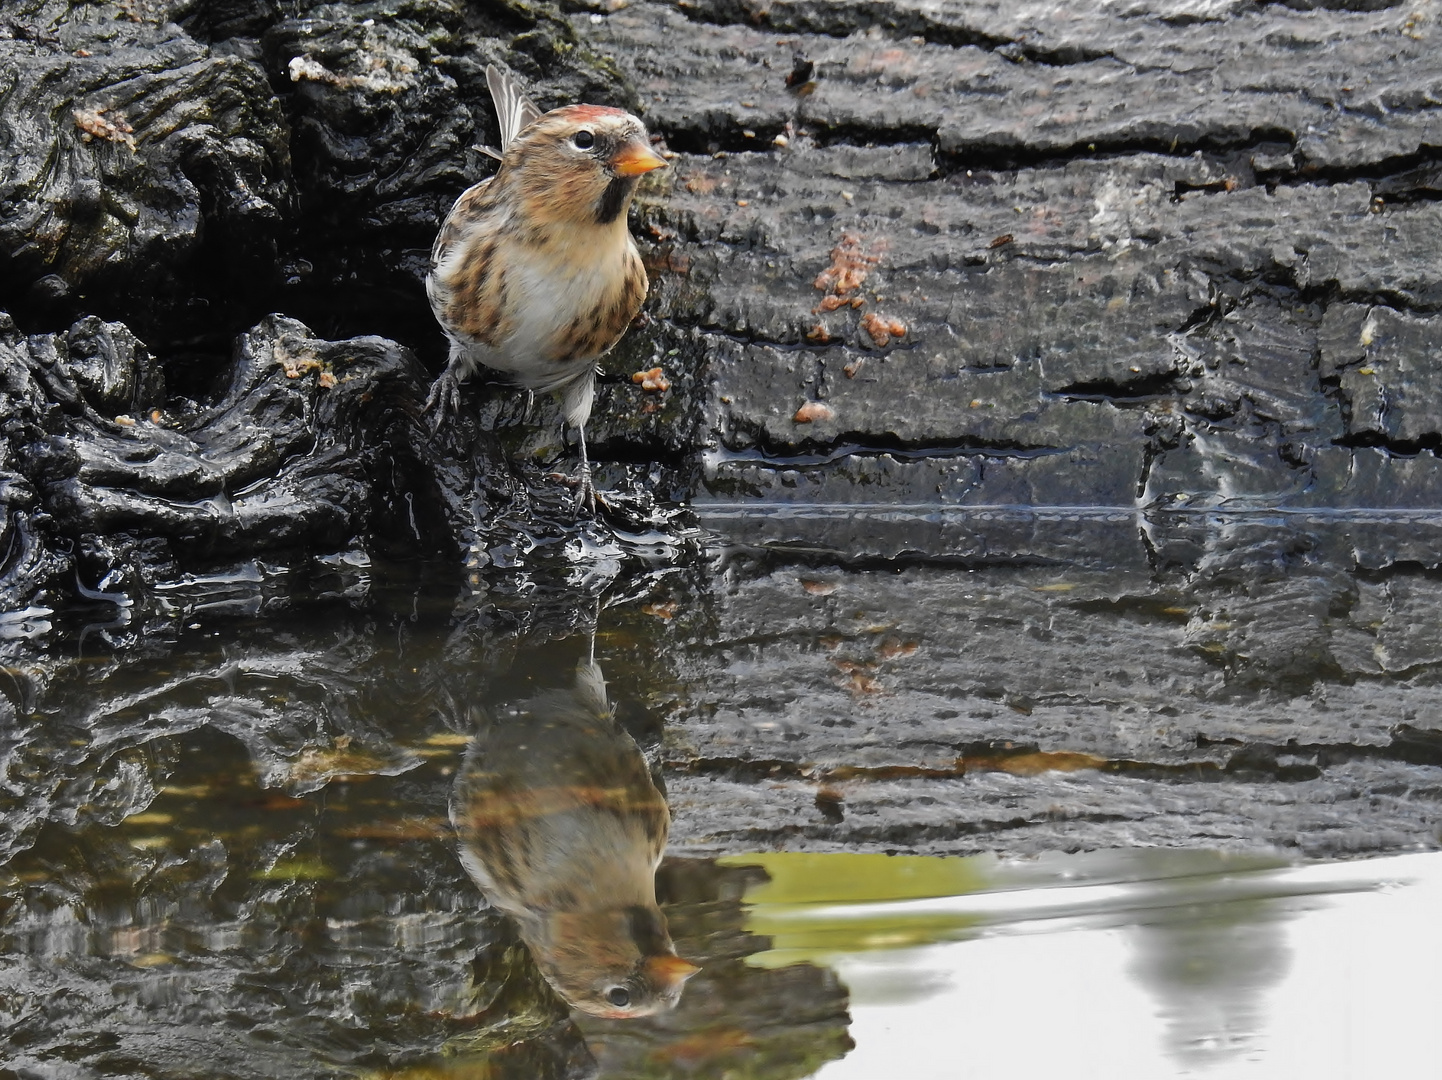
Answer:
(444, 400)
(586, 494)
(585, 491)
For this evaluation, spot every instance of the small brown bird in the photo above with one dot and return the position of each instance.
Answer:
(562, 828)
(534, 272)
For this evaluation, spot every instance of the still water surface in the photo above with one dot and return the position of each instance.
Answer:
(1137, 964)
(386, 833)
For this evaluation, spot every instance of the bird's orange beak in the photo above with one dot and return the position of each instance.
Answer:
(636, 158)
(668, 969)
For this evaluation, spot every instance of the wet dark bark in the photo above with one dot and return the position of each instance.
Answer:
(1135, 313)
(1084, 272)
(186, 168)
(1141, 260)
(981, 255)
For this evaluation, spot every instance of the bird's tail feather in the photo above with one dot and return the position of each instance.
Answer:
(514, 109)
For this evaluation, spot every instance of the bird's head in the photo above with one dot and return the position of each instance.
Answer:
(580, 164)
(652, 986)
(617, 963)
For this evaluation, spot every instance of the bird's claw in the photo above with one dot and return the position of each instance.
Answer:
(585, 492)
(444, 400)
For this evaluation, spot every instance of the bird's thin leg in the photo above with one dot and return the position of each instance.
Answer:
(445, 396)
(585, 493)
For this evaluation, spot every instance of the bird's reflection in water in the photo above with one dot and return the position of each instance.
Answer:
(562, 828)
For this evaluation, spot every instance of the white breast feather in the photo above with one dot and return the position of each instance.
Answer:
(547, 292)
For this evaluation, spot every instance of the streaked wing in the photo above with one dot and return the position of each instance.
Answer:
(463, 259)
(513, 109)
(466, 211)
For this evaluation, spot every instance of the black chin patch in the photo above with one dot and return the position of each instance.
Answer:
(648, 930)
(613, 199)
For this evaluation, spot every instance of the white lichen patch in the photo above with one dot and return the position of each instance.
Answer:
(377, 67)
(303, 68)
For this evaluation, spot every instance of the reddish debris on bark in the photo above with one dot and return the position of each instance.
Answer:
(813, 410)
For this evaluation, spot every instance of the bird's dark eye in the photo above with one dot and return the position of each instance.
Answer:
(618, 996)
(584, 140)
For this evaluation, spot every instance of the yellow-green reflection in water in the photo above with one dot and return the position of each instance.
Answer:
(800, 908)
(818, 906)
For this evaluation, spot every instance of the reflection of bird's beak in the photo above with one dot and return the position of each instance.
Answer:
(636, 158)
(669, 970)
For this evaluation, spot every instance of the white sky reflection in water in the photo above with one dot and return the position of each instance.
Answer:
(1321, 971)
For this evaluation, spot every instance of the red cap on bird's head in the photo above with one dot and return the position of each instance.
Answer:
(583, 113)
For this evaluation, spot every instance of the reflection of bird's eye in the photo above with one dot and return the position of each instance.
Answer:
(619, 996)
(584, 140)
